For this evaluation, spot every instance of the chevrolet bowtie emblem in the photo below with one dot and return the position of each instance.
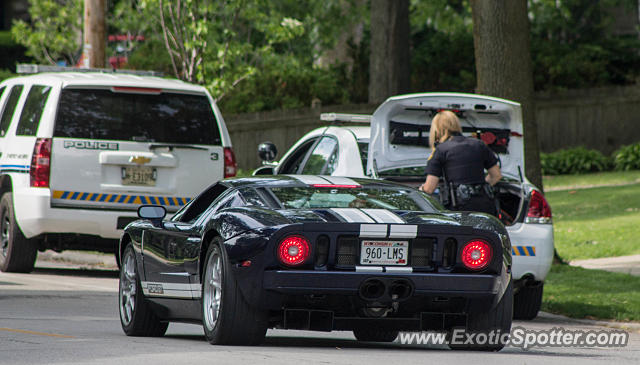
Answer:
(140, 160)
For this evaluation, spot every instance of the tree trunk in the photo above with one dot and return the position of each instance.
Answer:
(95, 37)
(389, 65)
(501, 39)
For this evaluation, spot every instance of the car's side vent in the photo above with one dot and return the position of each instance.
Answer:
(422, 252)
(449, 253)
(347, 251)
(322, 251)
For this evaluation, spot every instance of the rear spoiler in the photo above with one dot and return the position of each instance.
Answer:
(345, 118)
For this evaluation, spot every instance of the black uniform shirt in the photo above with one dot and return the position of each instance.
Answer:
(464, 160)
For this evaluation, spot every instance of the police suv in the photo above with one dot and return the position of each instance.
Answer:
(80, 151)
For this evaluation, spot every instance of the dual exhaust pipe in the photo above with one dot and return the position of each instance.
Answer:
(385, 290)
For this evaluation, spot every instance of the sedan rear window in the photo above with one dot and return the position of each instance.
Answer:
(166, 117)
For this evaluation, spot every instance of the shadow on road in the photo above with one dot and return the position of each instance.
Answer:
(94, 273)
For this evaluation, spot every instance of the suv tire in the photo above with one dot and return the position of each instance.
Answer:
(17, 253)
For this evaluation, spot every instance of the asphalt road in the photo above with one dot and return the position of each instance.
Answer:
(70, 316)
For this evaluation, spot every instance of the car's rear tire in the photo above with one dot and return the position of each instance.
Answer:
(227, 318)
(375, 335)
(527, 301)
(17, 253)
(497, 319)
(136, 316)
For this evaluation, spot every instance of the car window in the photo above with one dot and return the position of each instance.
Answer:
(364, 152)
(322, 161)
(199, 205)
(232, 200)
(165, 117)
(330, 197)
(292, 163)
(252, 197)
(32, 110)
(2, 91)
(9, 108)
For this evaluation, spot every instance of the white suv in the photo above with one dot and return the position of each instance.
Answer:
(80, 151)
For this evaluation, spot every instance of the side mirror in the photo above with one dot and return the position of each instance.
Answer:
(154, 213)
(267, 151)
(264, 170)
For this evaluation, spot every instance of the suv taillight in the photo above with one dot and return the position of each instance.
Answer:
(41, 163)
(539, 210)
(230, 167)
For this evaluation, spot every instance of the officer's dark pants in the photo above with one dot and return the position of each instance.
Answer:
(479, 203)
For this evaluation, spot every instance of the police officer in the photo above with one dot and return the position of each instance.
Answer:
(461, 162)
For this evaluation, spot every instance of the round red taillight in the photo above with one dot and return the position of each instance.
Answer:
(293, 250)
(476, 254)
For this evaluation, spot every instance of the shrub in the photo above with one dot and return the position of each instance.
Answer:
(578, 160)
(627, 157)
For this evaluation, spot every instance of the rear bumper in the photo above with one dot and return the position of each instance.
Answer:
(295, 282)
(532, 250)
(35, 216)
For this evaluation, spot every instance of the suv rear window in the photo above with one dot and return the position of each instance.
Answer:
(165, 117)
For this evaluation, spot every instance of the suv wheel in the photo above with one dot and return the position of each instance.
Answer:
(17, 253)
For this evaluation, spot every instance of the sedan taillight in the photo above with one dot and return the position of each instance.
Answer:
(539, 210)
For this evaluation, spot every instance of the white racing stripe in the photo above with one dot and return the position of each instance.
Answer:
(403, 231)
(396, 269)
(368, 268)
(310, 179)
(338, 180)
(170, 290)
(383, 216)
(352, 215)
(373, 230)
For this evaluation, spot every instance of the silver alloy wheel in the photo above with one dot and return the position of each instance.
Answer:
(5, 235)
(212, 289)
(128, 286)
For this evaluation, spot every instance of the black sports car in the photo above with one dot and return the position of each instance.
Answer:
(314, 253)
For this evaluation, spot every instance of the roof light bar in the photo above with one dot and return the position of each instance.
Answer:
(25, 68)
(346, 118)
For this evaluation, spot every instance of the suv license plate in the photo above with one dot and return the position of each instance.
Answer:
(384, 252)
(139, 175)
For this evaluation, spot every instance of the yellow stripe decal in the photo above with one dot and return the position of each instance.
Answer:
(118, 198)
(523, 251)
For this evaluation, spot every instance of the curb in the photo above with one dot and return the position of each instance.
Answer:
(628, 326)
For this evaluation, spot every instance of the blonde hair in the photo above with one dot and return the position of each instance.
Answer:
(443, 125)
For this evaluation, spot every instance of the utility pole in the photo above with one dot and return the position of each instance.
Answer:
(93, 52)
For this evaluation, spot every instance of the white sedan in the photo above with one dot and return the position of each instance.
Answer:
(394, 146)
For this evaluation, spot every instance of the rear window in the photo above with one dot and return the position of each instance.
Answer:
(314, 198)
(166, 117)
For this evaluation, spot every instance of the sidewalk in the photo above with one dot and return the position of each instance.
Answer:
(622, 264)
(74, 259)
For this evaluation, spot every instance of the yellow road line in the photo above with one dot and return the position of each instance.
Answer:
(35, 333)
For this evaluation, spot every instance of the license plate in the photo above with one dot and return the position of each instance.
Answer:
(384, 252)
(139, 175)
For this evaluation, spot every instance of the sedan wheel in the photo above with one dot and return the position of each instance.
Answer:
(136, 316)
(227, 318)
(212, 289)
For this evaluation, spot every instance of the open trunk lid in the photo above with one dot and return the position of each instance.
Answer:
(400, 131)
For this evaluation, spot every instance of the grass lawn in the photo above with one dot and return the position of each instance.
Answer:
(596, 222)
(594, 294)
(565, 182)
